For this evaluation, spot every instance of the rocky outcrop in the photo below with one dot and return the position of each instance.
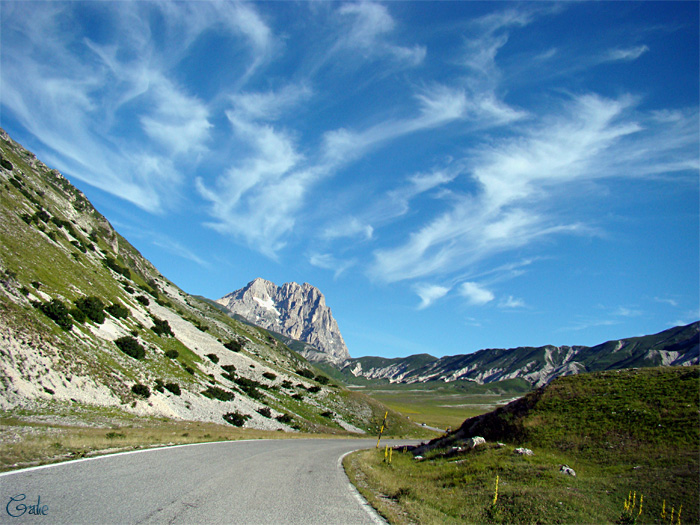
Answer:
(295, 310)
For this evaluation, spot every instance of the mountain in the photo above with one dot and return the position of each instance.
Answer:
(538, 366)
(86, 322)
(295, 311)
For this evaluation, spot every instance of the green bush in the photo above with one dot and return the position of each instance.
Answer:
(58, 312)
(327, 414)
(141, 390)
(314, 389)
(143, 300)
(265, 412)
(161, 327)
(172, 354)
(130, 347)
(213, 358)
(236, 418)
(174, 388)
(6, 164)
(118, 311)
(305, 372)
(214, 392)
(270, 376)
(234, 346)
(93, 307)
(229, 368)
(78, 315)
(284, 418)
(286, 384)
(188, 369)
(322, 379)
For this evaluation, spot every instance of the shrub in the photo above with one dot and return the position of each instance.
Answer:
(78, 315)
(284, 418)
(117, 310)
(236, 418)
(58, 312)
(188, 369)
(172, 354)
(174, 388)
(214, 392)
(286, 384)
(229, 368)
(314, 389)
(143, 300)
(298, 397)
(6, 164)
(161, 327)
(322, 379)
(234, 346)
(160, 387)
(265, 412)
(130, 347)
(141, 390)
(269, 375)
(93, 308)
(327, 414)
(305, 372)
(213, 358)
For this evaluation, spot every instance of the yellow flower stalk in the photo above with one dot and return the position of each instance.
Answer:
(641, 502)
(679, 514)
(495, 494)
(663, 511)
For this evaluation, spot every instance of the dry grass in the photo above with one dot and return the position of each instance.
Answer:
(25, 443)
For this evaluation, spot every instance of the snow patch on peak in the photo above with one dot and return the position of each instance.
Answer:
(267, 303)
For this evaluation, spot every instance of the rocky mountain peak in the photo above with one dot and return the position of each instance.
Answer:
(297, 311)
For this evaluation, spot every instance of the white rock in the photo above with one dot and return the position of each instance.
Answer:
(524, 452)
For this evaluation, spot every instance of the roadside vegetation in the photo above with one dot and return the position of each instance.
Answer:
(630, 436)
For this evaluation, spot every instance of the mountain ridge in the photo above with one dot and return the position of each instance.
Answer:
(537, 365)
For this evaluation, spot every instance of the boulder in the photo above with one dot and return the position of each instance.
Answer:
(567, 471)
(475, 441)
(524, 452)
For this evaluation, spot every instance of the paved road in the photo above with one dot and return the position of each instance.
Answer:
(245, 482)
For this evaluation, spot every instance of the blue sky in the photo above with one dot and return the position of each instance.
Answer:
(452, 175)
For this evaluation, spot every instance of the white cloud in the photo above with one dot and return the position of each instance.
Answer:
(328, 261)
(348, 227)
(429, 293)
(512, 302)
(631, 53)
(475, 293)
(371, 24)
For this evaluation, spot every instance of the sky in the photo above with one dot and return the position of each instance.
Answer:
(452, 176)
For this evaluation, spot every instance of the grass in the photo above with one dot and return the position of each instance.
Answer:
(27, 441)
(622, 432)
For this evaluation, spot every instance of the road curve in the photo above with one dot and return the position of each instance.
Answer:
(286, 481)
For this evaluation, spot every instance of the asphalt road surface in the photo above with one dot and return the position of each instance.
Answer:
(285, 481)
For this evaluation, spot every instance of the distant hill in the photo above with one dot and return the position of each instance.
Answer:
(674, 347)
(623, 408)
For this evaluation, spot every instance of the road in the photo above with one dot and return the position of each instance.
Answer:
(286, 481)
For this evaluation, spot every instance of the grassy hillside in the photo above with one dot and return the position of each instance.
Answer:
(625, 433)
(87, 323)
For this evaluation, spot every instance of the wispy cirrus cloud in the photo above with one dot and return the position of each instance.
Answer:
(71, 92)
(624, 54)
(368, 31)
(519, 178)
